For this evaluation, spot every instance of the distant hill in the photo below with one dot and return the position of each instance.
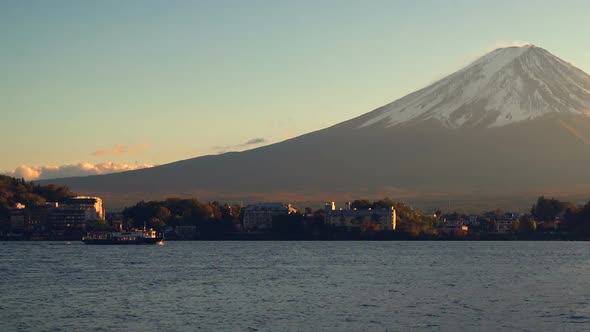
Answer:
(503, 130)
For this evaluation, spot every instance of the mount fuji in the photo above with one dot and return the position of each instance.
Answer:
(514, 123)
(506, 86)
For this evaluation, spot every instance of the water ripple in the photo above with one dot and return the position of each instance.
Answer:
(295, 286)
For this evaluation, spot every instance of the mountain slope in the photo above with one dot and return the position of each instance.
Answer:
(506, 86)
(512, 123)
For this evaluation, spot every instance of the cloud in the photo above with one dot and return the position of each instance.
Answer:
(517, 43)
(255, 141)
(101, 152)
(497, 44)
(250, 142)
(120, 149)
(81, 169)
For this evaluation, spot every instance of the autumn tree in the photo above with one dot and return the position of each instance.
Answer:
(547, 209)
(361, 204)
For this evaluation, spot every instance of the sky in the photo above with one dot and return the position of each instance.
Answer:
(90, 87)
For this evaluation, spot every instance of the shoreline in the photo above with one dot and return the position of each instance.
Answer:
(394, 238)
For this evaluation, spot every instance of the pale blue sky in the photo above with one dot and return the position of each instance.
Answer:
(190, 78)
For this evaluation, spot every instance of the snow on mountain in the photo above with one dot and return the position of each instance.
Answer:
(505, 86)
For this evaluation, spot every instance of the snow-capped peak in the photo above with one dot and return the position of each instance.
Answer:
(504, 86)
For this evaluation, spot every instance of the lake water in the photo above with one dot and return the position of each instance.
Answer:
(295, 286)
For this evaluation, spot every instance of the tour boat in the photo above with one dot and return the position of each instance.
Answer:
(134, 237)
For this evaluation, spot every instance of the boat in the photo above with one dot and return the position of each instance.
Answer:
(133, 237)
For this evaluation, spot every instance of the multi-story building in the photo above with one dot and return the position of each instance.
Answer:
(504, 225)
(74, 214)
(63, 219)
(92, 206)
(354, 218)
(18, 218)
(260, 216)
(38, 216)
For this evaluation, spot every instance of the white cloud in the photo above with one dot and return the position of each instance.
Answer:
(518, 43)
(81, 169)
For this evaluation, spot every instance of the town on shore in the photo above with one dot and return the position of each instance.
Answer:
(32, 212)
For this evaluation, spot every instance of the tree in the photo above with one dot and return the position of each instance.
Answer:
(370, 227)
(54, 193)
(385, 203)
(525, 225)
(156, 223)
(547, 209)
(515, 227)
(287, 224)
(361, 204)
(211, 219)
(578, 221)
(30, 199)
(20, 191)
(98, 225)
(163, 213)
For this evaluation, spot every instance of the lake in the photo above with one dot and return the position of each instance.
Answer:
(295, 286)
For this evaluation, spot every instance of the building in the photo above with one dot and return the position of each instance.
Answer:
(186, 232)
(504, 225)
(260, 216)
(116, 219)
(74, 214)
(92, 206)
(458, 225)
(30, 220)
(18, 219)
(456, 229)
(473, 221)
(38, 216)
(61, 220)
(353, 218)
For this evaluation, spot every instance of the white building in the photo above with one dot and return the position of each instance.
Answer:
(353, 218)
(260, 216)
(92, 207)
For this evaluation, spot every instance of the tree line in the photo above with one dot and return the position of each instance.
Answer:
(215, 219)
(574, 219)
(210, 219)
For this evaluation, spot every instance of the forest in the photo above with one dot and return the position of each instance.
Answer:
(13, 191)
